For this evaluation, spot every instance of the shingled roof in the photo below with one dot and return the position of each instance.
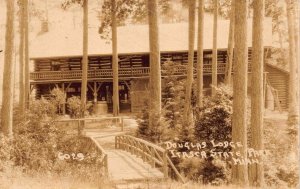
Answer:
(133, 39)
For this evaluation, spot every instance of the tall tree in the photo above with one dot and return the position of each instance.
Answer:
(239, 123)
(155, 71)
(7, 88)
(21, 59)
(293, 40)
(84, 58)
(189, 82)
(26, 53)
(215, 51)
(200, 54)
(230, 46)
(115, 64)
(256, 172)
(293, 115)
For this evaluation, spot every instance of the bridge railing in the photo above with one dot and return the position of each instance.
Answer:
(77, 123)
(90, 141)
(155, 155)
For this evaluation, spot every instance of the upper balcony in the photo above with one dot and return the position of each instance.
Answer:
(107, 74)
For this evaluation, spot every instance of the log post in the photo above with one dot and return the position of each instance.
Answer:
(122, 124)
(165, 165)
(65, 98)
(152, 158)
(95, 92)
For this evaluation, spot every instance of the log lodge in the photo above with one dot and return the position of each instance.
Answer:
(56, 58)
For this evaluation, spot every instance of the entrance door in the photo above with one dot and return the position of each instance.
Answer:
(106, 94)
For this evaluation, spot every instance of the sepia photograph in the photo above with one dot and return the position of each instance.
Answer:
(149, 94)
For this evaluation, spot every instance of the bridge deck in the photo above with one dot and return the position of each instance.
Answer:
(123, 166)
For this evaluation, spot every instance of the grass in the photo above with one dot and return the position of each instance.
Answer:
(43, 181)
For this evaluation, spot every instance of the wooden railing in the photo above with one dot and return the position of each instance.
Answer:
(108, 73)
(155, 155)
(89, 142)
(77, 123)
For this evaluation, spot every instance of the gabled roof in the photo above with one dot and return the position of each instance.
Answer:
(134, 39)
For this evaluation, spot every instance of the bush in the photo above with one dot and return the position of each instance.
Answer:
(5, 151)
(58, 98)
(213, 172)
(74, 106)
(41, 109)
(173, 101)
(214, 118)
(90, 157)
(156, 133)
(213, 123)
(281, 167)
(36, 140)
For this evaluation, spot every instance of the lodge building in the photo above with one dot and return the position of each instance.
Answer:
(56, 58)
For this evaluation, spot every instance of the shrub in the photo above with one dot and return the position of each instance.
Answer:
(214, 118)
(281, 164)
(87, 166)
(173, 101)
(5, 151)
(213, 123)
(213, 172)
(35, 144)
(155, 133)
(74, 106)
(58, 98)
(42, 109)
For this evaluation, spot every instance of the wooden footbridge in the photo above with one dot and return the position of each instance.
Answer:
(134, 159)
(129, 159)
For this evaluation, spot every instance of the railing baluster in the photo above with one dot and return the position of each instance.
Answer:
(165, 164)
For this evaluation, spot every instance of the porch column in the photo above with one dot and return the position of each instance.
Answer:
(65, 99)
(95, 90)
(95, 93)
(65, 89)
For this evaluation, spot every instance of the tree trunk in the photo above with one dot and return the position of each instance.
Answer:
(115, 61)
(256, 172)
(84, 60)
(214, 71)
(239, 123)
(155, 72)
(296, 7)
(8, 86)
(230, 46)
(200, 54)
(189, 82)
(293, 115)
(26, 55)
(21, 59)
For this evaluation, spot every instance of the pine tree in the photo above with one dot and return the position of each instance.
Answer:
(214, 73)
(155, 70)
(188, 114)
(26, 53)
(239, 123)
(199, 81)
(8, 74)
(21, 59)
(115, 64)
(256, 171)
(230, 46)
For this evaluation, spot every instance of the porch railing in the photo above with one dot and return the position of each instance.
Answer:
(108, 73)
